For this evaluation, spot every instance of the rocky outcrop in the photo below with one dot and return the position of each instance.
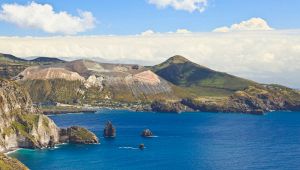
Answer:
(7, 163)
(109, 130)
(254, 100)
(165, 106)
(77, 135)
(147, 133)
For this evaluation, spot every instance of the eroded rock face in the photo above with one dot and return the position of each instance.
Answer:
(77, 135)
(147, 133)
(21, 125)
(94, 81)
(36, 72)
(147, 77)
(164, 106)
(109, 130)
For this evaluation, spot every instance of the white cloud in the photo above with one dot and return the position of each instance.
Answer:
(186, 5)
(269, 57)
(43, 17)
(178, 31)
(253, 24)
(183, 31)
(147, 33)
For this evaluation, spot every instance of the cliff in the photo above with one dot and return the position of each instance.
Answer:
(22, 125)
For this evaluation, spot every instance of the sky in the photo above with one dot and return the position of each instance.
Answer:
(257, 39)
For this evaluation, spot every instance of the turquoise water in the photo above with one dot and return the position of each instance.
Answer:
(186, 141)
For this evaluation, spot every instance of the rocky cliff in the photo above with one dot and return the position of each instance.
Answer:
(22, 126)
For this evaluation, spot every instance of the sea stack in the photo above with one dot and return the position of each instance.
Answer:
(147, 133)
(109, 130)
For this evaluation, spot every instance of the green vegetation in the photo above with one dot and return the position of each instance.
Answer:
(56, 90)
(24, 125)
(7, 163)
(198, 80)
(81, 133)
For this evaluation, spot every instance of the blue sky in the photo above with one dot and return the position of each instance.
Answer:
(130, 17)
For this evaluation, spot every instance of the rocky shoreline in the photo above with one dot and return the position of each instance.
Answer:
(23, 126)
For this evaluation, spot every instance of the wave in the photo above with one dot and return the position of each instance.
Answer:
(127, 147)
(152, 136)
(12, 151)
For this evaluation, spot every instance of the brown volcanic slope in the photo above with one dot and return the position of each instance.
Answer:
(100, 80)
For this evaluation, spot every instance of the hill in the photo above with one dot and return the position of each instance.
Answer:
(10, 58)
(89, 82)
(11, 66)
(47, 60)
(197, 79)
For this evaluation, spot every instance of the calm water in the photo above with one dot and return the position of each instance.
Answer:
(186, 141)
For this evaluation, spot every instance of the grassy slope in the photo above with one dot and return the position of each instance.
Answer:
(193, 79)
(7, 163)
(58, 90)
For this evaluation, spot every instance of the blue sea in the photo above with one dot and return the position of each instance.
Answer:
(217, 141)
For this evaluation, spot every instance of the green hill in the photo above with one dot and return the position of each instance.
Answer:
(47, 60)
(10, 58)
(197, 79)
(11, 66)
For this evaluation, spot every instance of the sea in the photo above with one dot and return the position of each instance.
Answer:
(189, 141)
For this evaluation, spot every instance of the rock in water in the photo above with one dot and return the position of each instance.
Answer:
(109, 130)
(51, 143)
(147, 133)
(77, 135)
(141, 146)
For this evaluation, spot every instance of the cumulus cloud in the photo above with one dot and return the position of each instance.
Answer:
(253, 24)
(267, 57)
(43, 17)
(186, 5)
(147, 33)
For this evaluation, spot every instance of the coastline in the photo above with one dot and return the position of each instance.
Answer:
(63, 110)
(11, 151)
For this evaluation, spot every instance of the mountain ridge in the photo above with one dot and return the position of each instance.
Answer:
(175, 80)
